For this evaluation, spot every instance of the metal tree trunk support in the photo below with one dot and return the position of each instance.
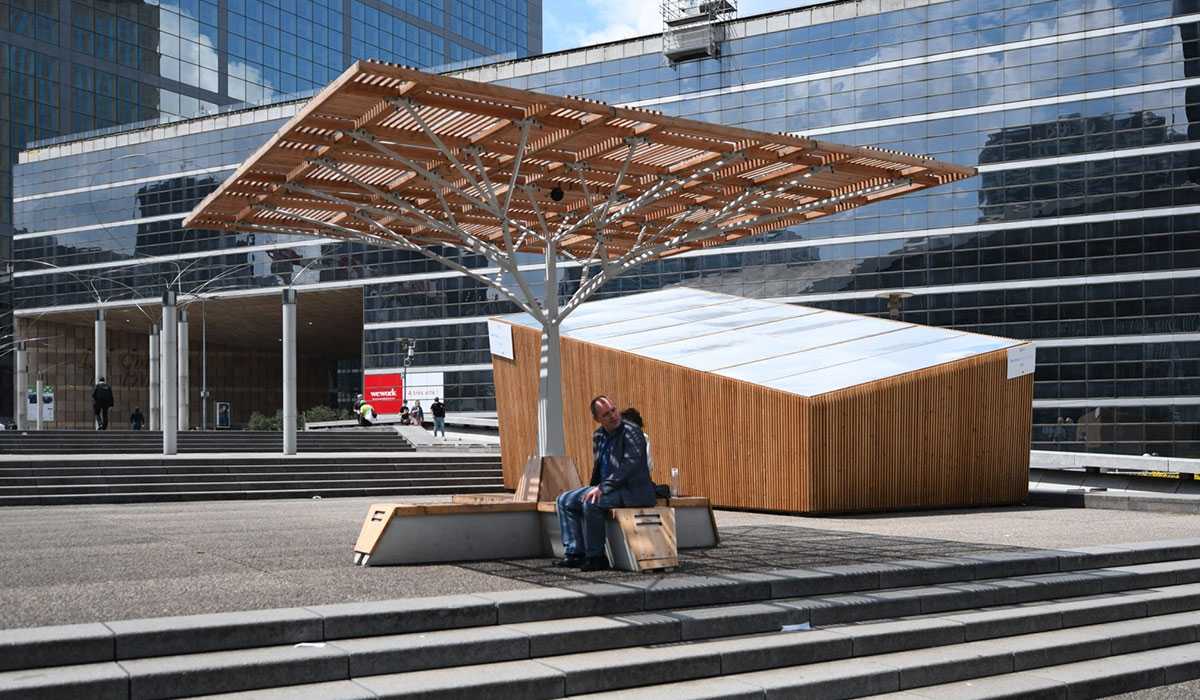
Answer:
(167, 357)
(38, 402)
(153, 410)
(184, 396)
(101, 347)
(289, 371)
(22, 387)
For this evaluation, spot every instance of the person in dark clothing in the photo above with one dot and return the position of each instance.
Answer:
(620, 479)
(136, 419)
(438, 409)
(102, 400)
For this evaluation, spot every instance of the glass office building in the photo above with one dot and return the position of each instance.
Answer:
(1082, 230)
(72, 66)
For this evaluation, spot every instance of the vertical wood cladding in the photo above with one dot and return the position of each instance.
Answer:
(955, 434)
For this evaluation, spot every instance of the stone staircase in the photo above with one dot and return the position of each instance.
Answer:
(131, 479)
(1080, 623)
(52, 442)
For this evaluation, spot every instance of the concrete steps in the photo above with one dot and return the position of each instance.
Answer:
(124, 480)
(51, 442)
(645, 637)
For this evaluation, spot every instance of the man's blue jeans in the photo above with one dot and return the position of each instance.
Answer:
(582, 524)
(439, 423)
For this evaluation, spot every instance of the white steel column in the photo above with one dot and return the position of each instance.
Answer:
(22, 386)
(38, 404)
(155, 379)
(184, 396)
(167, 364)
(289, 371)
(101, 347)
(551, 438)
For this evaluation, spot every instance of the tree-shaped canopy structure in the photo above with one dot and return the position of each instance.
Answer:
(399, 158)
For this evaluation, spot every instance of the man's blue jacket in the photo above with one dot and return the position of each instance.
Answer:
(628, 482)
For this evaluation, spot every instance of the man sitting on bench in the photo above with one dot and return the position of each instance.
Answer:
(620, 479)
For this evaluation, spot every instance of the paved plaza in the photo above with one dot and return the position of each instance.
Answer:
(73, 564)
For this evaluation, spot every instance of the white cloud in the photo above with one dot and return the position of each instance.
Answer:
(569, 24)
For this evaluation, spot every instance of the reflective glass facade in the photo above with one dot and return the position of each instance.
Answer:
(1081, 232)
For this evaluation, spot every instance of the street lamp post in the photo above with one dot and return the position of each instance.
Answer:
(410, 349)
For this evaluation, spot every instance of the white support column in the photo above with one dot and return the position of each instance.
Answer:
(101, 346)
(184, 415)
(155, 379)
(22, 386)
(289, 371)
(167, 365)
(38, 403)
(551, 437)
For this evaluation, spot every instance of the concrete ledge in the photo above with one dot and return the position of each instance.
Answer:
(61, 645)
(822, 596)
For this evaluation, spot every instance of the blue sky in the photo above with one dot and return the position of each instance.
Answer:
(567, 24)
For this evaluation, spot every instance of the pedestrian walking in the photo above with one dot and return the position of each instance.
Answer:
(438, 409)
(102, 400)
(136, 419)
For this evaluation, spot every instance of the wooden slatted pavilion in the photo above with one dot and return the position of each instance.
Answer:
(399, 158)
(779, 407)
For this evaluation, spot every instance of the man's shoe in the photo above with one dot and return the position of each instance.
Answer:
(595, 564)
(570, 562)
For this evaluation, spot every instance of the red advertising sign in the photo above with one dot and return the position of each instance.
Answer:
(384, 392)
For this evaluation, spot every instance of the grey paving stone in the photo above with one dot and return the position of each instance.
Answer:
(695, 591)
(346, 620)
(1074, 584)
(102, 681)
(793, 583)
(630, 668)
(894, 635)
(1006, 622)
(1102, 677)
(1006, 564)
(511, 679)
(1164, 573)
(1077, 558)
(780, 650)
(923, 572)
(921, 667)
(957, 596)
(1172, 599)
(189, 634)
(332, 690)
(1099, 609)
(707, 689)
(553, 603)
(1056, 647)
(228, 671)
(1011, 685)
(554, 637)
(850, 678)
(729, 620)
(1179, 664)
(61, 645)
(1154, 632)
(853, 607)
(418, 651)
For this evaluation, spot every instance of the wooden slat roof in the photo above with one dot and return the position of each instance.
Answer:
(575, 145)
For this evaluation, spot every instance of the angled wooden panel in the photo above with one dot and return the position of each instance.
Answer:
(952, 435)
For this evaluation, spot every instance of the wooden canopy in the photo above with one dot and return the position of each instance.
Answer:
(391, 155)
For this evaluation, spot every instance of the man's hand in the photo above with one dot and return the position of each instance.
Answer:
(592, 496)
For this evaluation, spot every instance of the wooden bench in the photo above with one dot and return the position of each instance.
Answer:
(692, 524)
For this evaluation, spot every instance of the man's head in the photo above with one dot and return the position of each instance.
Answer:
(101, 380)
(605, 412)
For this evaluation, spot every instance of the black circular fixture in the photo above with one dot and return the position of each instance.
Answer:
(556, 194)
